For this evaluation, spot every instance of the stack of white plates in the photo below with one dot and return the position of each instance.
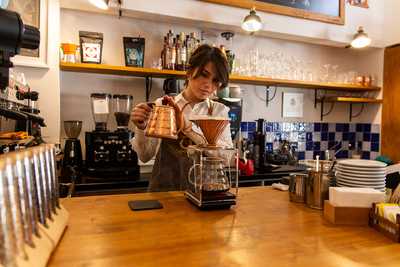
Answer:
(361, 173)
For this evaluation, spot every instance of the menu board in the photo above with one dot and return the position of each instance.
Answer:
(326, 7)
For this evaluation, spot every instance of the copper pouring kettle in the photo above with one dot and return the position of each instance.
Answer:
(166, 120)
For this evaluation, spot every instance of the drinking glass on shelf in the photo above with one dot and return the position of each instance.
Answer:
(325, 74)
(334, 73)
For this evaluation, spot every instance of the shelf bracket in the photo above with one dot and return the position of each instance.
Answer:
(351, 116)
(322, 108)
(315, 98)
(149, 85)
(267, 99)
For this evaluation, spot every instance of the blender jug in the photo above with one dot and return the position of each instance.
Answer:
(101, 107)
(122, 109)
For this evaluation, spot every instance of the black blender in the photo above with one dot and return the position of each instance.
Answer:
(109, 154)
(72, 160)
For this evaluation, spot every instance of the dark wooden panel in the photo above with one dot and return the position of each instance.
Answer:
(391, 104)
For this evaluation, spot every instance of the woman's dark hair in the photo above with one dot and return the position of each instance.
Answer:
(205, 54)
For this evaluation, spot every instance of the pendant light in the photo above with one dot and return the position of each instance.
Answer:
(252, 22)
(360, 39)
(102, 4)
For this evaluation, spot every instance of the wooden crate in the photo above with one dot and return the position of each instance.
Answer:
(383, 225)
(346, 215)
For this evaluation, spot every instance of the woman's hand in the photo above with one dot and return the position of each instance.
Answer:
(140, 115)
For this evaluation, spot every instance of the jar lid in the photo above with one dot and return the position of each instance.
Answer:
(123, 96)
(100, 95)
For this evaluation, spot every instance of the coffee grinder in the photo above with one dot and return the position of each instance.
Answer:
(72, 160)
(109, 154)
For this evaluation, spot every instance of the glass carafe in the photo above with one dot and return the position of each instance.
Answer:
(122, 109)
(101, 107)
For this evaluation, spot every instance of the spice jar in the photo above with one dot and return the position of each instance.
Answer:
(360, 80)
(68, 52)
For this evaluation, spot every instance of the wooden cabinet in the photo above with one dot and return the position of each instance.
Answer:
(391, 104)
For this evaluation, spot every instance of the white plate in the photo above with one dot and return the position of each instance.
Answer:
(360, 170)
(360, 183)
(361, 175)
(356, 180)
(377, 188)
(361, 186)
(364, 163)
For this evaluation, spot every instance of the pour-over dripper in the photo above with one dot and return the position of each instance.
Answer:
(212, 127)
(122, 109)
(72, 128)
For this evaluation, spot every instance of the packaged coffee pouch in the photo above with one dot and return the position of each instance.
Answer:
(91, 46)
(134, 51)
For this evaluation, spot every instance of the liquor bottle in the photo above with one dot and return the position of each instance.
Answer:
(173, 55)
(259, 145)
(183, 56)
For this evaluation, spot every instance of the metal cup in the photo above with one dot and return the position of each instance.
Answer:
(297, 187)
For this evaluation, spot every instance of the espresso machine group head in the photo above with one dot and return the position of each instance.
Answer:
(14, 35)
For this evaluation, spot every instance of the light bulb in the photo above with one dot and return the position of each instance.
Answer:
(360, 39)
(252, 22)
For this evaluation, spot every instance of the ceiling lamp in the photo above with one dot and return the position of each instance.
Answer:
(252, 22)
(360, 39)
(102, 4)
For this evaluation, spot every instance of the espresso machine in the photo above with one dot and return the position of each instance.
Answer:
(109, 153)
(213, 178)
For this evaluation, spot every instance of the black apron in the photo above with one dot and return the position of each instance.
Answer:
(170, 168)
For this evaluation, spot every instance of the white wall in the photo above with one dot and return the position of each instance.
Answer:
(76, 87)
(46, 80)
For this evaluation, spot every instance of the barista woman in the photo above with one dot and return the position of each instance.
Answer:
(208, 72)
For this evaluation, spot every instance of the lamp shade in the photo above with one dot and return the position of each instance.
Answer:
(252, 22)
(360, 39)
(102, 4)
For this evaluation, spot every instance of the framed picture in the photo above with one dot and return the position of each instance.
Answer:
(329, 11)
(134, 51)
(34, 13)
(359, 3)
(292, 105)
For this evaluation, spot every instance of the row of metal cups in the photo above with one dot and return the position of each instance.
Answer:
(311, 188)
(28, 199)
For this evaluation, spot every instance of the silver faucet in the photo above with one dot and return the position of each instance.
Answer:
(327, 155)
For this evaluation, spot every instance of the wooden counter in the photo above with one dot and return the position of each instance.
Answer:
(264, 229)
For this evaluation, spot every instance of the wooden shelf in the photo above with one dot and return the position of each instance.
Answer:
(156, 73)
(351, 100)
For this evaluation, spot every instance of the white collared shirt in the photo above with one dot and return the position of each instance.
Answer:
(147, 147)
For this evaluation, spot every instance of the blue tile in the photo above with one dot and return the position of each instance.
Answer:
(243, 126)
(278, 136)
(269, 127)
(331, 136)
(346, 127)
(345, 136)
(316, 146)
(269, 147)
(302, 127)
(309, 136)
(301, 155)
(343, 154)
(367, 127)
(359, 127)
(367, 137)
(277, 127)
(374, 137)
(352, 137)
(302, 137)
(324, 136)
(251, 126)
(317, 127)
(365, 155)
(339, 127)
(309, 146)
(324, 127)
(359, 145)
(375, 147)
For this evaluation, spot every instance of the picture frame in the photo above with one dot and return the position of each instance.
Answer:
(359, 3)
(292, 105)
(134, 48)
(38, 60)
(330, 11)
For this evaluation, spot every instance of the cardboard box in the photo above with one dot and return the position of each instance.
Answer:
(346, 215)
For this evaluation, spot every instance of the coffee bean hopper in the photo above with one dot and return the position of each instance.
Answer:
(213, 177)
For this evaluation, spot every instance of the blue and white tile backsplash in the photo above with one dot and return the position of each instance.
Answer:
(311, 139)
